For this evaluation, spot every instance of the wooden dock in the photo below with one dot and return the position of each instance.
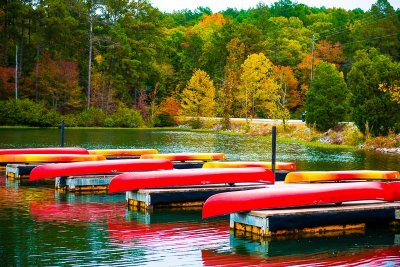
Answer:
(84, 184)
(19, 171)
(179, 197)
(323, 220)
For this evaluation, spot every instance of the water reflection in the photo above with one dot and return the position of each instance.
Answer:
(387, 256)
(236, 147)
(40, 227)
(373, 248)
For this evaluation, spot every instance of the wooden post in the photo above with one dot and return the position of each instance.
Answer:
(62, 133)
(273, 149)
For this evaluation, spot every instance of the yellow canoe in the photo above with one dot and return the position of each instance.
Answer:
(22, 158)
(122, 152)
(280, 166)
(186, 156)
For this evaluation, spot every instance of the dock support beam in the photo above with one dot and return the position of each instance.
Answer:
(314, 220)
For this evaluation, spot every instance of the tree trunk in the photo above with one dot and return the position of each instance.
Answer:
(90, 60)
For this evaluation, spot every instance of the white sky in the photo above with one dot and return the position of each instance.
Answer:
(218, 5)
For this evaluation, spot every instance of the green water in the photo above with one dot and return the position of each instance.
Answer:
(235, 147)
(39, 227)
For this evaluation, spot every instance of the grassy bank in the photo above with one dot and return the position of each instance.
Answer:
(345, 135)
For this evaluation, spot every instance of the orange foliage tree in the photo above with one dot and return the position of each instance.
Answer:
(330, 53)
(304, 72)
(169, 106)
(213, 19)
(290, 94)
(59, 83)
(7, 82)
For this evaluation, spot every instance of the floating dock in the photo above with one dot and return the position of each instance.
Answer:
(19, 171)
(84, 184)
(314, 220)
(191, 197)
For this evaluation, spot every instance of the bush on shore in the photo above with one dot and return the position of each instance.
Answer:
(25, 112)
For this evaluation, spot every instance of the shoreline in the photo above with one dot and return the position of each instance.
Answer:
(347, 136)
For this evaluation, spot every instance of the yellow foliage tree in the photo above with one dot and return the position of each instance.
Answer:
(393, 89)
(229, 90)
(259, 89)
(198, 96)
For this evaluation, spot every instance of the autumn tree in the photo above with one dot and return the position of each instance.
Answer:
(7, 82)
(289, 93)
(58, 82)
(288, 84)
(231, 82)
(258, 88)
(327, 99)
(329, 52)
(166, 112)
(304, 74)
(198, 96)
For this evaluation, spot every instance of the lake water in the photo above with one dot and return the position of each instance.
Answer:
(40, 227)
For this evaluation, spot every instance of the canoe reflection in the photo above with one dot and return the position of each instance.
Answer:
(388, 256)
(75, 213)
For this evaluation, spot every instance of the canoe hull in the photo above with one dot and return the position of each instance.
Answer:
(45, 150)
(171, 178)
(95, 167)
(284, 196)
(28, 158)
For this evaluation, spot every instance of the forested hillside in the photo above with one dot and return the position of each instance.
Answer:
(114, 63)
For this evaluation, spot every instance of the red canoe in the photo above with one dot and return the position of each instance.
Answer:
(45, 150)
(284, 196)
(168, 178)
(28, 158)
(103, 166)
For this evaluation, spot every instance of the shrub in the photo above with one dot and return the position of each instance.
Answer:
(26, 112)
(125, 117)
(164, 120)
(93, 117)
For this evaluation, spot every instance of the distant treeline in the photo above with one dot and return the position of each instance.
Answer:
(91, 62)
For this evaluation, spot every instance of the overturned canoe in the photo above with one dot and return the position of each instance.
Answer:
(170, 178)
(186, 156)
(95, 167)
(28, 158)
(280, 166)
(334, 176)
(122, 152)
(45, 150)
(296, 195)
